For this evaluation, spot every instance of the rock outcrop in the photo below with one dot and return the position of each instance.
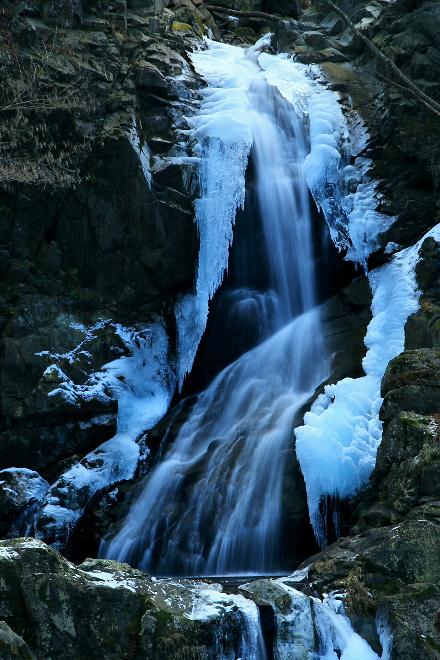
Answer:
(52, 609)
(97, 223)
(102, 232)
(389, 564)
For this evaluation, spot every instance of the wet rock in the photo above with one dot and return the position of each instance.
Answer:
(109, 609)
(345, 318)
(19, 489)
(148, 76)
(12, 646)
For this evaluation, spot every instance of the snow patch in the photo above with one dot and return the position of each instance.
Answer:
(113, 581)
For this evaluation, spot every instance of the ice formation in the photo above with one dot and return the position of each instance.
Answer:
(348, 199)
(315, 629)
(223, 136)
(143, 384)
(337, 444)
(344, 192)
(228, 459)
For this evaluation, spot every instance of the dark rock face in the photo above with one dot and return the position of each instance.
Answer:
(412, 383)
(345, 318)
(115, 243)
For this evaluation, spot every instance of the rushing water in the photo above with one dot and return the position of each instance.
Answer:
(213, 504)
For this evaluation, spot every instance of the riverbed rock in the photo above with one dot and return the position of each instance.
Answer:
(53, 609)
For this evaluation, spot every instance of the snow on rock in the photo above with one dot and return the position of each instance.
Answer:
(337, 444)
(143, 384)
(22, 492)
(22, 485)
(142, 151)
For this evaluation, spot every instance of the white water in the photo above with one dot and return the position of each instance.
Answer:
(213, 505)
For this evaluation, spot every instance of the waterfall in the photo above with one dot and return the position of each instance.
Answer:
(213, 504)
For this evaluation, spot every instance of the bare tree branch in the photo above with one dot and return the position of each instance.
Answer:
(241, 14)
(408, 84)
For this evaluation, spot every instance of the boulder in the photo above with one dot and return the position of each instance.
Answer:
(105, 609)
(412, 383)
(20, 488)
(12, 646)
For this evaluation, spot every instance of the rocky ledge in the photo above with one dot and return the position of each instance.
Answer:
(53, 609)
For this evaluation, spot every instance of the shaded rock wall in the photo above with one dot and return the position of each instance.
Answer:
(115, 241)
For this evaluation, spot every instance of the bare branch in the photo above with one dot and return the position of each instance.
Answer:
(408, 84)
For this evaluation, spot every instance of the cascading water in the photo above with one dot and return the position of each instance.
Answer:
(213, 504)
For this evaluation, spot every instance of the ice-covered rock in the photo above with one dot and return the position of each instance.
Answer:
(338, 442)
(310, 628)
(20, 488)
(143, 383)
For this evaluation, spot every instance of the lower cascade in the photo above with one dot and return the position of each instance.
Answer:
(213, 504)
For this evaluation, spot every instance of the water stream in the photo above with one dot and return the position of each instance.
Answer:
(213, 504)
